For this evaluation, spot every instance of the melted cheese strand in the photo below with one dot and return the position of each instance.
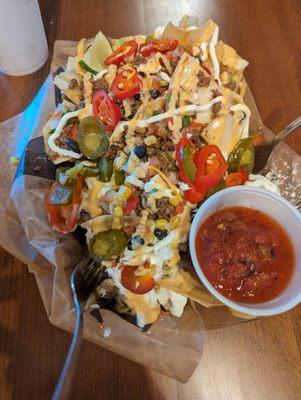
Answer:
(179, 111)
(56, 134)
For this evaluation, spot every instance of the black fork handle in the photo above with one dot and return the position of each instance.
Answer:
(63, 387)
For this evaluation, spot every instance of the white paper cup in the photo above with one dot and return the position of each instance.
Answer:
(23, 44)
(282, 212)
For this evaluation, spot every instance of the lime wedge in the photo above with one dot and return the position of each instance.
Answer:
(94, 57)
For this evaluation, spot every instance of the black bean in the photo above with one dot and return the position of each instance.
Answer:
(154, 94)
(140, 151)
(119, 102)
(137, 96)
(160, 233)
(72, 144)
(141, 73)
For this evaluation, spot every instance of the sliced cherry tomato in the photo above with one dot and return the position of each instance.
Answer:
(211, 167)
(105, 110)
(237, 178)
(138, 284)
(122, 53)
(126, 84)
(160, 45)
(63, 218)
(193, 196)
(132, 203)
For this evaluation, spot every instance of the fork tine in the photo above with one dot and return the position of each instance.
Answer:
(86, 276)
(92, 275)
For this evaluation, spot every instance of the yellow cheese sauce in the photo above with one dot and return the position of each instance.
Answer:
(90, 201)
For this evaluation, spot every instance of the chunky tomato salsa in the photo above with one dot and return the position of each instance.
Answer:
(245, 254)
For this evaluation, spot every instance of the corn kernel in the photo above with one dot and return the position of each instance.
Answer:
(175, 200)
(149, 140)
(175, 222)
(162, 224)
(124, 192)
(164, 83)
(118, 212)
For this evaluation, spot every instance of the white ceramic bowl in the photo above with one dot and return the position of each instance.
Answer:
(282, 212)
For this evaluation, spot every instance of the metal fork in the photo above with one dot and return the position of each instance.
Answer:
(263, 151)
(85, 277)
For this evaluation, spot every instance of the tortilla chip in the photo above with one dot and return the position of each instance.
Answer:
(189, 38)
(183, 283)
(229, 59)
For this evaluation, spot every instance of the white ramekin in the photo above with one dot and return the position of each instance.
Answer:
(282, 212)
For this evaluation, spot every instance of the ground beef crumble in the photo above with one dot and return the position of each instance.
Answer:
(232, 85)
(64, 135)
(164, 209)
(135, 103)
(216, 108)
(216, 93)
(203, 80)
(197, 139)
(166, 161)
(73, 84)
(112, 152)
(99, 84)
(139, 59)
(165, 144)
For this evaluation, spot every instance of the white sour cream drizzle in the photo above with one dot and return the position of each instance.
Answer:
(56, 134)
(178, 111)
(246, 121)
(100, 74)
(213, 57)
(204, 55)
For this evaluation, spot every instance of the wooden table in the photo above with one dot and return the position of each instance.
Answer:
(256, 360)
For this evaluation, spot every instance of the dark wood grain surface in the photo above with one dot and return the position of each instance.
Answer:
(257, 360)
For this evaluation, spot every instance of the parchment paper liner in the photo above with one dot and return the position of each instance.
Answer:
(171, 346)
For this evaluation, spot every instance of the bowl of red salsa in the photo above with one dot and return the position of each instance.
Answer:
(245, 245)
